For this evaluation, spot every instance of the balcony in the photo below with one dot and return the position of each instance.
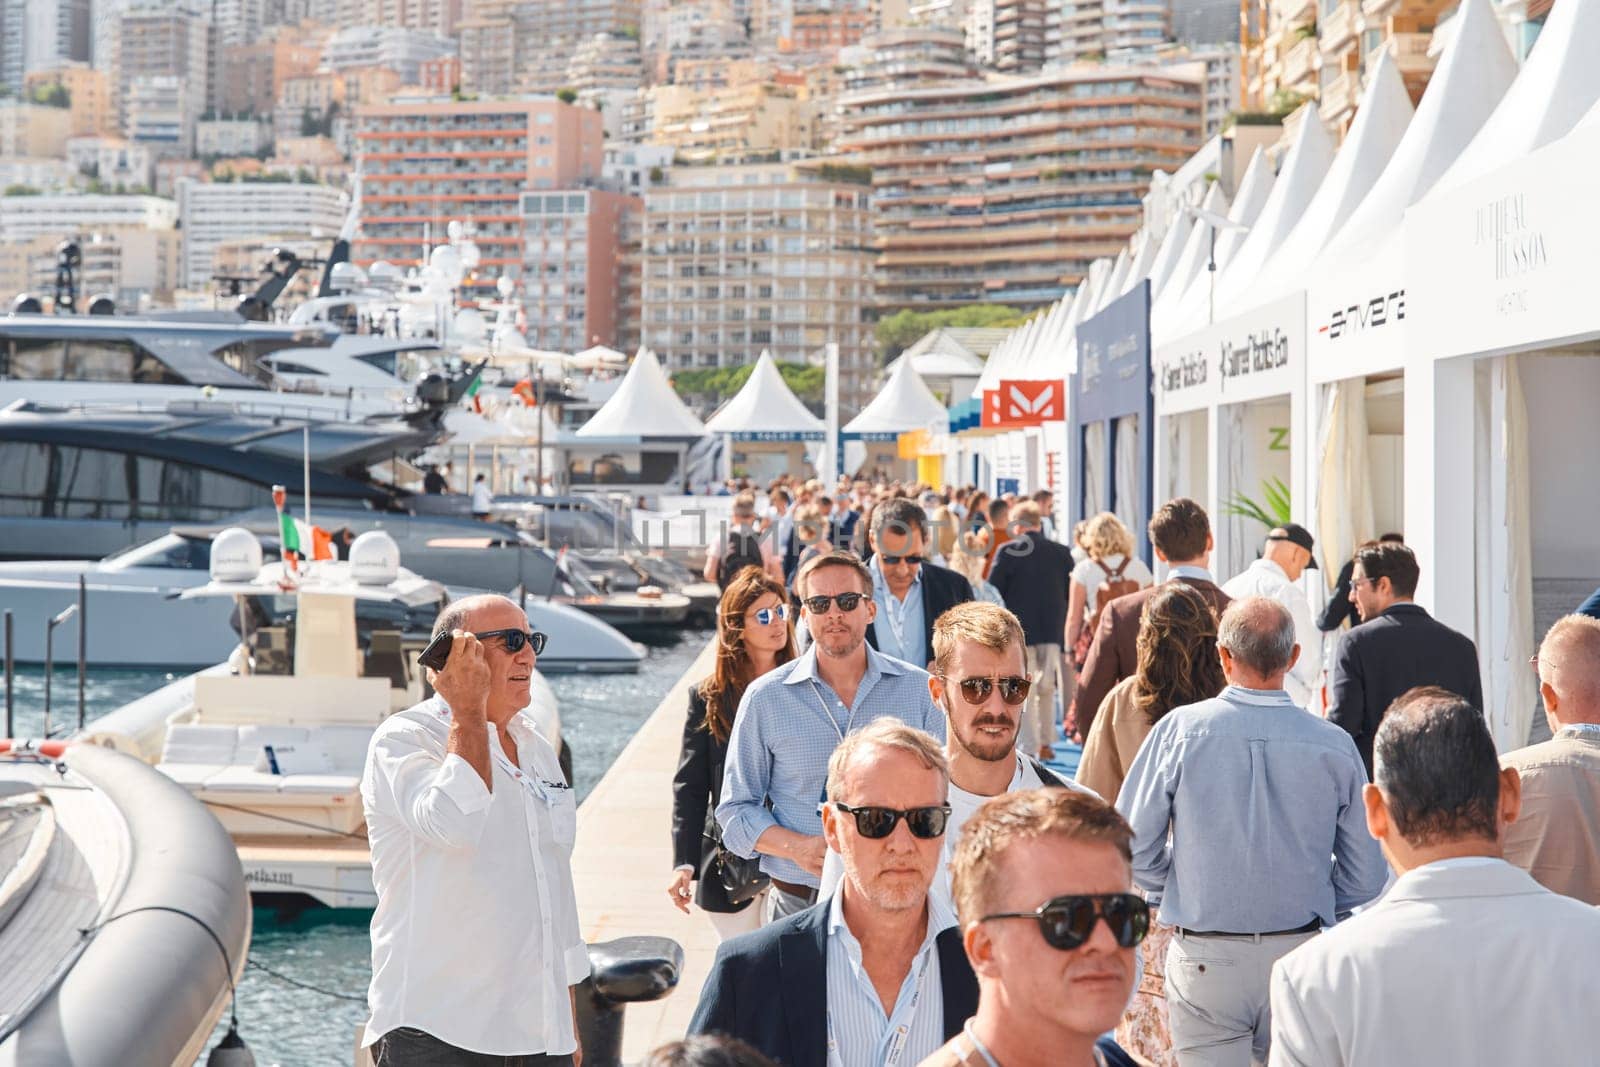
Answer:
(1300, 64)
(1338, 28)
(1410, 51)
(1377, 11)
(1292, 12)
(1340, 98)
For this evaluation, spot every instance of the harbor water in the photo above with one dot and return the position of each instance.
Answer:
(286, 1024)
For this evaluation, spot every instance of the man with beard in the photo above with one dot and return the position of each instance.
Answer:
(980, 683)
(875, 975)
(791, 720)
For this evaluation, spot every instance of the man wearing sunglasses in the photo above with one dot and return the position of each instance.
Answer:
(791, 719)
(472, 825)
(1247, 821)
(874, 976)
(1052, 929)
(910, 593)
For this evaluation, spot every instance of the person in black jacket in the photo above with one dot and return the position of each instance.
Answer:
(910, 592)
(1033, 574)
(754, 635)
(1397, 647)
(1340, 607)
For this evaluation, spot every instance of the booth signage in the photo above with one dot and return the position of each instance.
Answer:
(1359, 317)
(1249, 356)
(1509, 256)
(1114, 359)
(1025, 403)
(776, 435)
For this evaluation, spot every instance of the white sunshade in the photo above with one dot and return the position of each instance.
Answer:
(1380, 124)
(644, 405)
(1143, 258)
(1557, 85)
(904, 404)
(1304, 168)
(765, 404)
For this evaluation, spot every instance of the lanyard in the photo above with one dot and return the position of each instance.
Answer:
(826, 714)
(902, 1033)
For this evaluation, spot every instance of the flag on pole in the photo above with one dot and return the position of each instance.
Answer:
(289, 537)
(472, 394)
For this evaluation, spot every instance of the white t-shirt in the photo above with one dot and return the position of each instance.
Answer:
(1089, 575)
(963, 805)
(482, 499)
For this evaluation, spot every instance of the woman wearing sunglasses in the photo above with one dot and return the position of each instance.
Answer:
(754, 635)
(1178, 665)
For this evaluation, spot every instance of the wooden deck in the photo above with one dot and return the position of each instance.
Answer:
(623, 861)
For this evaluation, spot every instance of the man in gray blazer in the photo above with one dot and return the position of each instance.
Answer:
(1466, 959)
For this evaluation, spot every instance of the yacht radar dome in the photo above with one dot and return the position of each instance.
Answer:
(347, 278)
(374, 558)
(235, 556)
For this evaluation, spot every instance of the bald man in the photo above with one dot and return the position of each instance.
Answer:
(1557, 837)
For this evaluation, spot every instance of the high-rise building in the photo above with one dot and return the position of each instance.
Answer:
(29, 129)
(39, 35)
(165, 43)
(161, 115)
(72, 213)
(251, 76)
(737, 259)
(1020, 34)
(734, 122)
(239, 22)
(572, 266)
(1116, 30)
(213, 212)
(1205, 21)
(907, 58)
(428, 162)
(1005, 189)
(400, 50)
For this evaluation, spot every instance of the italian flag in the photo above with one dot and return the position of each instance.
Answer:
(472, 394)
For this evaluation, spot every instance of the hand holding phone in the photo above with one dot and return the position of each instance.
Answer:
(437, 652)
(463, 678)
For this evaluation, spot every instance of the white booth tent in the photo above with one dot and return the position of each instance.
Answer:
(764, 420)
(641, 437)
(1503, 321)
(1192, 263)
(905, 403)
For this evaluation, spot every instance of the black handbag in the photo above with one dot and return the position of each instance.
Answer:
(727, 881)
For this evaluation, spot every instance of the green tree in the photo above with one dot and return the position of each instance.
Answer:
(567, 96)
(900, 331)
(52, 96)
(20, 190)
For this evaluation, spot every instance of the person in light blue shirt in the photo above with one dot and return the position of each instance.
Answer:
(899, 621)
(1249, 825)
(791, 720)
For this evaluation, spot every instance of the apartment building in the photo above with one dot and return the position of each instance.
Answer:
(39, 35)
(1005, 189)
(67, 214)
(392, 47)
(113, 161)
(163, 43)
(88, 91)
(1117, 30)
(909, 57)
(734, 122)
(250, 77)
(28, 129)
(1020, 34)
(132, 265)
(819, 28)
(160, 113)
(214, 212)
(426, 162)
(572, 266)
(232, 136)
(736, 259)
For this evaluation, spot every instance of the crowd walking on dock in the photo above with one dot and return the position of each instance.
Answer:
(1259, 855)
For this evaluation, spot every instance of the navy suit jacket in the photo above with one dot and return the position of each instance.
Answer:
(770, 988)
(942, 589)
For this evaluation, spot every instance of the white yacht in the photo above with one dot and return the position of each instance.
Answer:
(274, 740)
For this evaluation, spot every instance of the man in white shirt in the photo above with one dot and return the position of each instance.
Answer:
(977, 647)
(1466, 959)
(1285, 558)
(475, 938)
(482, 498)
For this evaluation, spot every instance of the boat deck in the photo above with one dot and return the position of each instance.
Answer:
(623, 861)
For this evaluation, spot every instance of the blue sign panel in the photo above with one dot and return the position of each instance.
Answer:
(1112, 383)
(1002, 486)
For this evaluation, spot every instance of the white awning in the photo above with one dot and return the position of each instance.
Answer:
(644, 405)
(902, 405)
(765, 404)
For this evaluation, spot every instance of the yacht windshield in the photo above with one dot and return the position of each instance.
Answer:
(171, 552)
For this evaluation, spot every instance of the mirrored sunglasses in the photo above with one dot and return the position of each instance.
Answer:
(1013, 689)
(765, 616)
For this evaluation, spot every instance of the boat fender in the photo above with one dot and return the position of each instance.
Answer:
(49, 749)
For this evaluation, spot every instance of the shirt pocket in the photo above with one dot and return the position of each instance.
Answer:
(564, 819)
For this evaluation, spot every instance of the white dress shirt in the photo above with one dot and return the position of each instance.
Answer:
(1266, 578)
(475, 938)
(859, 1033)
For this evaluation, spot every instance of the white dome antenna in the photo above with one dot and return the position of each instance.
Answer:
(235, 556)
(374, 558)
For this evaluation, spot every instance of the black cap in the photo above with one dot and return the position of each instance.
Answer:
(1296, 534)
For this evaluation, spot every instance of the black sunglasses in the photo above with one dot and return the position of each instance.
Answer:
(878, 823)
(515, 639)
(903, 559)
(1013, 689)
(1066, 922)
(818, 605)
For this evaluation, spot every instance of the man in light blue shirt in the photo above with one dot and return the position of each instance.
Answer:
(899, 621)
(791, 719)
(1249, 825)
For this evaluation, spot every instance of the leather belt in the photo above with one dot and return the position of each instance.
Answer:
(1309, 928)
(804, 892)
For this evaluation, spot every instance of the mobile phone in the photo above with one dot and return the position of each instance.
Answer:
(437, 652)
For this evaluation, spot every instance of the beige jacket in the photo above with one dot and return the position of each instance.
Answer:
(1114, 739)
(1557, 837)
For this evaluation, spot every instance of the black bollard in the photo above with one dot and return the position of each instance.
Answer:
(622, 972)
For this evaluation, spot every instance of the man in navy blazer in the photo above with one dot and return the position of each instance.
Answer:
(877, 970)
(1397, 647)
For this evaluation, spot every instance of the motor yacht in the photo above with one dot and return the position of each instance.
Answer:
(135, 616)
(273, 741)
(113, 882)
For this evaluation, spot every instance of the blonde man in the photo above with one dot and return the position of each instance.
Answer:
(1051, 926)
(875, 974)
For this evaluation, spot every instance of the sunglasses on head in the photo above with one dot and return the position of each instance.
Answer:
(515, 639)
(878, 823)
(1067, 922)
(1013, 689)
(765, 616)
(848, 602)
(889, 560)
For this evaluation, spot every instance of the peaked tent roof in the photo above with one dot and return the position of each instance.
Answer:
(1196, 254)
(904, 403)
(1113, 283)
(1557, 85)
(1143, 258)
(644, 405)
(1167, 255)
(1194, 304)
(765, 403)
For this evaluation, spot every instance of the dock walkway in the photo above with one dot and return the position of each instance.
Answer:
(623, 861)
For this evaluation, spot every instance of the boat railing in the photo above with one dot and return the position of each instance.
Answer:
(310, 413)
(78, 610)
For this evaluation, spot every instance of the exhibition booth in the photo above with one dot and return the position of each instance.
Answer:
(641, 440)
(1112, 414)
(767, 429)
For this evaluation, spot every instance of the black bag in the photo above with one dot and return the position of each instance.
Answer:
(727, 881)
(743, 550)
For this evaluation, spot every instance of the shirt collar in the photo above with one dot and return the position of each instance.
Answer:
(941, 917)
(1587, 730)
(1265, 698)
(878, 665)
(1189, 570)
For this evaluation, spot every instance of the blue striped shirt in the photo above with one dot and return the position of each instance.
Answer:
(859, 1033)
(788, 725)
(899, 622)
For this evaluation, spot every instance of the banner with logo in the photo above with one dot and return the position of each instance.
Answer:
(1257, 354)
(1358, 316)
(1113, 390)
(1025, 403)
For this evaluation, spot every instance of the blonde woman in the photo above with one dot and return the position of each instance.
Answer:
(1111, 570)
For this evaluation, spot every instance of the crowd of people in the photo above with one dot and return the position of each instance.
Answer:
(1259, 859)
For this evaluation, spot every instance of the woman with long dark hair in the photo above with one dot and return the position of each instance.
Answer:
(1177, 665)
(754, 635)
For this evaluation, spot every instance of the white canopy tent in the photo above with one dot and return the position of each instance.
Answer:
(766, 405)
(905, 403)
(1192, 263)
(1193, 306)
(643, 406)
